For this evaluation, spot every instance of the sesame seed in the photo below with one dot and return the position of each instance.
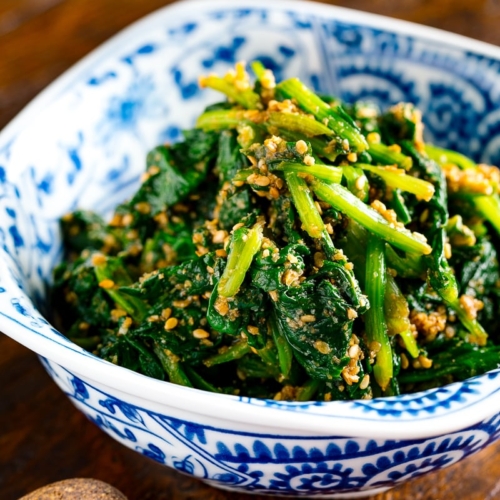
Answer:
(221, 253)
(219, 236)
(127, 323)
(109, 240)
(116, 221)
(201, 250)
(143, 207)
(166, 313)
(261, 180)
(351, 313)
(98, 259)
(425, 362)
(449, 332)
(274, 193)
(252, 330)
(253, 160)
(309, 160)
(171, 323)
(116, 314)
(352, 157)
(107, 284)
(197, 238)
(322, 347)
(301, 147)
(199, 333)
(470, 305)
(221, 305)
(339, 255)
(319, 259)
(181, 304)
(127, 219)
(161, 218)
(365, 382)
(404, 361)
(132, 234)
(251, 178)
(289, 277)
(354, 351)
(308, 318)
(270, 146)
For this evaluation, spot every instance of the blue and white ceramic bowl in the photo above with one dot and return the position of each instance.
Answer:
(82, 143)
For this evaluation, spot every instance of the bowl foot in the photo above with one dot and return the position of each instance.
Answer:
(344, 495)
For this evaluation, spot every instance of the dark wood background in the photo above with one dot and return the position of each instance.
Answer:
(43, 438)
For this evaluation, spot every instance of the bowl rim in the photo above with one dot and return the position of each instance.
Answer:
(336, 417)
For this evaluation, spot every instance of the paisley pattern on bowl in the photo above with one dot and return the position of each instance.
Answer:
(82, 143)
(263, 461)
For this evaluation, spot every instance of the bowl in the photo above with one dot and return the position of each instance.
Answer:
(82, 143)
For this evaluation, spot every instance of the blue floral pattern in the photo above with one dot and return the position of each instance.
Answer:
(141, 89)
(291, 464)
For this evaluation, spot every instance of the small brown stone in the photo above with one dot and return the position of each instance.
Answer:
(76, 489)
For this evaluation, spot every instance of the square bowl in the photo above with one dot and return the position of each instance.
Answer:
(82, 143)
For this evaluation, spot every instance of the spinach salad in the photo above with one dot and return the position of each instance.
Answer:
(295, 248)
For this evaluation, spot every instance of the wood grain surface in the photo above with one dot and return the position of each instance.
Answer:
(43, 438)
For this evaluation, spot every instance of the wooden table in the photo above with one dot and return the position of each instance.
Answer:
(43, 438)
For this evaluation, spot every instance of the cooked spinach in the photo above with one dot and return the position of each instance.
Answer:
(292, 248)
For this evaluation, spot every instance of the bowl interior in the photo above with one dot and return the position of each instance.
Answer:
(83, 142)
